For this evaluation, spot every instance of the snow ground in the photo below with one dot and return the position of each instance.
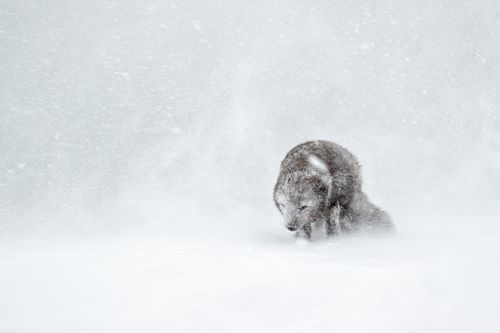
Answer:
(267, 283)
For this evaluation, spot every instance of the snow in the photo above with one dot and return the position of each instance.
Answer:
(268, 283)
(140, 142)
(317, 162)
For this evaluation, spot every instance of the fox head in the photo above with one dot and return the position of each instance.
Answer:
(302, 197)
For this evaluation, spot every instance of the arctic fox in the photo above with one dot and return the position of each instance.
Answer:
(320, 182)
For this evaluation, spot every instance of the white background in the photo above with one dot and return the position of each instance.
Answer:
(140, 142)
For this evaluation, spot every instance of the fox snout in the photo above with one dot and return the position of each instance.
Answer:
(292, 224)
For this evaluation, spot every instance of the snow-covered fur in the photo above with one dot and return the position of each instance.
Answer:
(320, 182)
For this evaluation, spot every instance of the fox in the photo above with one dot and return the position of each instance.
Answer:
(319, 183)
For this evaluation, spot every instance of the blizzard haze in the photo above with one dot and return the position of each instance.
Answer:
(140, 143)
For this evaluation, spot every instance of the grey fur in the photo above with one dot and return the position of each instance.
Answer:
(320, 182)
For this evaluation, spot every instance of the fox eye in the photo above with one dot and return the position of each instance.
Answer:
(301, 208)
